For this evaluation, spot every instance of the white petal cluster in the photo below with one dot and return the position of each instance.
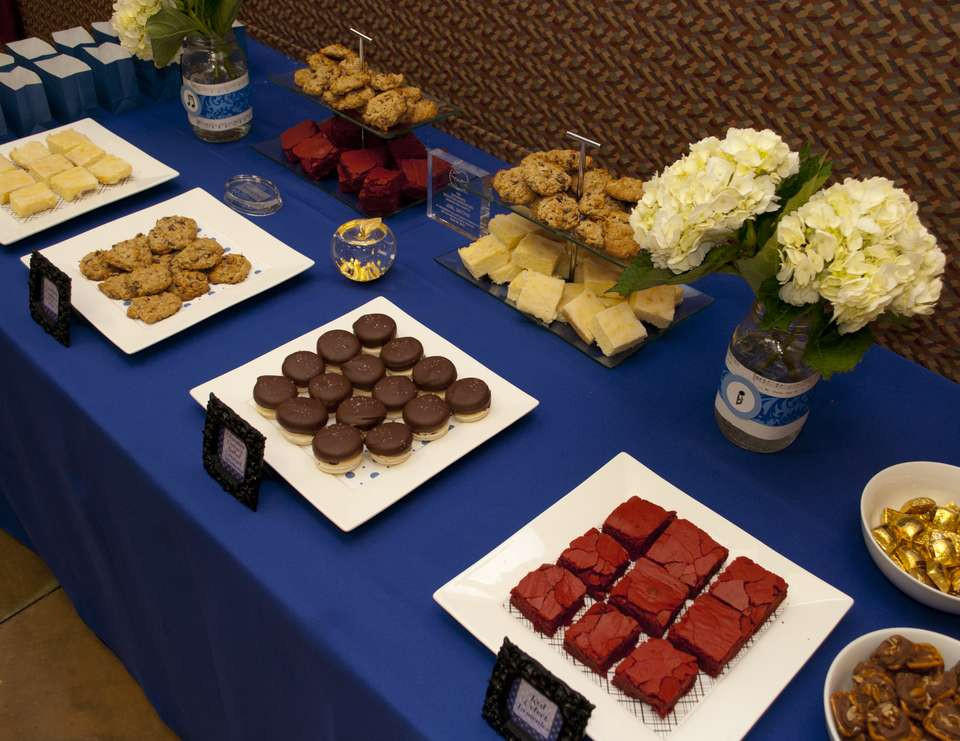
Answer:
(701, 199)
(859, 245)
(130, 20)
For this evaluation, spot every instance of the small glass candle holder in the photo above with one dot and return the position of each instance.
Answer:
(363, 249)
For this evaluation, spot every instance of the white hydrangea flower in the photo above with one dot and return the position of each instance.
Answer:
(130, 20)
(859, 245)
(701, 199)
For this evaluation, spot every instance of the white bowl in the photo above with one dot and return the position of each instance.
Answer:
(839, 675)
(891, 488)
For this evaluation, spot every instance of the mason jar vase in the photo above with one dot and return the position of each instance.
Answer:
(215, 89)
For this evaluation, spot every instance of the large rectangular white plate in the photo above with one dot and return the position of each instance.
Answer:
(147, 172)
(272, 261)
(724, 708)
(349, 501)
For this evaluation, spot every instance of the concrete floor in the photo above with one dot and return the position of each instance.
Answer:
(58, 682)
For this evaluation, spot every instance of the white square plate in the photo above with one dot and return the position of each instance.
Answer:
(352, 499)
(272, 261)
(725, 707)
(147, 172)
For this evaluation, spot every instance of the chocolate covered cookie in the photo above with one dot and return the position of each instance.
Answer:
(338, 449)
(269, 392)
(336, 347)
(390, 443)
(469, 399)
(428, 417)
(330, 388)
(301, 366)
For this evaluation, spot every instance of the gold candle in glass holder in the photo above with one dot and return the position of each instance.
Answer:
(363, 249)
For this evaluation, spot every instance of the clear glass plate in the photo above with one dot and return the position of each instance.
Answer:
(330, 184)
(446, 110)
(693, 301)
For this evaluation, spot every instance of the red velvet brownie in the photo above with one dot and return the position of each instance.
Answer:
(602, 637)
(415, 177)
(597, 560)
(549, 596)
(711, 631)
(651, 595)
(294, 135)
(636, 524)
(343, 133)
(657, 673)
(318, 156)
(688, 553)
(380, 193)
(406, 147)
(750, 589)
(354, 165)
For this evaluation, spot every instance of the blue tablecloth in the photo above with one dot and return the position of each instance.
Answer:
(276, 625)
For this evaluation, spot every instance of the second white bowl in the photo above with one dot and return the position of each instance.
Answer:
(839, 675)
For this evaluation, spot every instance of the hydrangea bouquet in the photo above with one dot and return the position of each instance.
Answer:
(834, 260)
(155, 29)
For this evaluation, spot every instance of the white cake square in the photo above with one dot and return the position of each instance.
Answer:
(64, 141)
(32, 200)
(11, 181)
(46, 167)
(27, 154)
(540, 296)
(84, 155)
(72, 183)
(110, 169)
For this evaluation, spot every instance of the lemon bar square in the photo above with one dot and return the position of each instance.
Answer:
(6, 165)
(617, 329)
(11, 181)
(26, 154)
(32, 200)
(541, 296)
(71, 183)
(84, 155)
(46, 167)
(110, 169)
(62, 142)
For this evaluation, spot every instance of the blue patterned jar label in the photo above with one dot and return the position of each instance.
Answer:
(220, 107)
(759, 406)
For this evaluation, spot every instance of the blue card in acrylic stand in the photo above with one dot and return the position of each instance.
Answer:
(24, 101)
(103, 31)
(114, 76)
(68, 40)
(71, 92)
(26, 51)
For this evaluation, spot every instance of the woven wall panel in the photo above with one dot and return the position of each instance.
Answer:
(872, 83)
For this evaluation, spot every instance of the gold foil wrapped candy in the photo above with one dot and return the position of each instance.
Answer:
(918, 506)
(923, 538)
(885, 539)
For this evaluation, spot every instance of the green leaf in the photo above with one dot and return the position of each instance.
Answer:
(777, 313)
(641, 273)
(793, 192)
(167, 28)
(226, 13)
(830, 352)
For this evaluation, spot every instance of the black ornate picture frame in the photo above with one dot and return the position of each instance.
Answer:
(562, 713)
(233, 452)
(49, 294)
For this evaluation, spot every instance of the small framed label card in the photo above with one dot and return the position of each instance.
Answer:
(49, 290)
(458, 194)
(233, 452)
(525, 702)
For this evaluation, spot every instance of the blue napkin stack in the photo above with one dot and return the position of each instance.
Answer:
(114, 75)
(24, 101)
(71, 90)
